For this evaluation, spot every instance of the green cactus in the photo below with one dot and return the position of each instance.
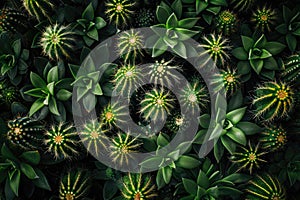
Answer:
(12, 20)
(137, 187)
(176, 121)
(57, 41)
(248, 158)
(119, 12)
(292, 69)
(273, 100)
(263, 18)
(25, 132)
(242, 5)
(111, 114)
(62, 141)
(265, 187)
(8, 94)
(38, 8)
(273, 138)
(145, 18)
(226, 22)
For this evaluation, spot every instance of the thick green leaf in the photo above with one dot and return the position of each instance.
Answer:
(187, 23)
(37, 81)
(41, 182)
(28, 171)
(37, 105)
(187, 162)
(240, 53)
(162, 14)
(88, 13)
(14, 181)
(237, 135)
(257, 65)
(202, 180)
(63, 95)
(6, 153)
(52, 75)
(172, 21)
(204, 121)
(160, 182)
(274, 47)
(110, 189)
(177, 8)
(167, 174)
(53, 106)
(17, 47)
(180, 50)
(228, 144)
(291, 42)
(32, 157)
(190, 186)
(100, 23)
(247, 43)
(249, 128)
(236, 115)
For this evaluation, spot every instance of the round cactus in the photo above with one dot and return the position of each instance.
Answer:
(226, 22)
(25, 132)
(8, 94)
(111, 114)
(273, 138)
(62, 141)
(136, 186)
(38, 8)
(57, 41)
(145, 18)
(263, 18)
(292, 69)
(176, 121)
(119, 11)
(12, 20)
(265, 187)
(273, 100)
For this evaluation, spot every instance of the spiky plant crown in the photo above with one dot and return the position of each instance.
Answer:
(12, 20)
(216, 47)
(248, 157)
(93, 136)
(226, 22)
(25, 132)
(273, 100)
(137, 187)
(111, 114)
(62, 141)
(162, 73)
(9, 94)
(242, 5)
(291, 72)
(130, 44)
(156, 104)
(176, 121)
(273, 138)
(265, 187)
(119, 11)
(122, 146)
(57, 41)
(74, 185)
(127, 79)
(38, 8)
(263, 18)
(145, 18)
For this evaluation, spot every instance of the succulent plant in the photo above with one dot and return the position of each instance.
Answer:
(74, 185)
(242, 5)
(156, 104)
(62, 141)
(8, 94)
(57, 41)
(12, 20)
(273, 100)
(226, 22)
(217, 47)
(273, 138)
(248, 158)
(112, 114)
(176, 121)
(265, 187)
(25, 132)
(145, 17)
(264, 18)
(119, 12)
(292, 69)
(38, 8)
(137, 186)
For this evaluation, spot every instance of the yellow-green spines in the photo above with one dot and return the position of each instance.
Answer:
(119, 12)
(273, 100)
(111, 114)
(242, 5)
(74, 185)
(8, 94)
(62, 141)
(291, 72)
(57, 41)
(226, 22)
(38, 8)
(137, 187)
(263, 18)
(145, 18)
(176, 121)
(265, 187)
(273, 138)
(25, 132)
(12, 20)
(247, 158)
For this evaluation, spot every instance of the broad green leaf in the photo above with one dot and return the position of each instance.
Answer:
(247, 42)
(237, 135)
(162, 14)
(37, 105)
(32, 157)
(190, 186)
(236, 115)
(14, 181)
(274, 47)
(187, 162)
(53, 106)
(88, 13)
(172, 21)
(63, 95)
(41, 182)
(188, 23)
(202, 180)
(37, 81)
(52, 75)
(249, 128)
(240, 53)
(28, 171)
(167, 174)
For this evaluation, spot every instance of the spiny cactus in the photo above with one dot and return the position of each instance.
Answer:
(25, 132)
(248, 157)
(137, 187)
(145, 18)
(62, 141)
(12, 20)
(74, 185)
(176, 121)
(273, 100)
(8, 94)
(242, 5)
(57, 41)
(111, 114)
(263, 18)
(119, 11)
(265, 187)
(38, 8)
(130, 44)
(217, 47)
(273, 138)
(226, 22)
(291, 72)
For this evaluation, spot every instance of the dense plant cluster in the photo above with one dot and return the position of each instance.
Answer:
(45, 67)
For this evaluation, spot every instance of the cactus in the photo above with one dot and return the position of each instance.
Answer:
(8, 94)
(273, 138)
(74, 185)
(291, 72)
(119, 11)
(176, 121)
(137, 187)
(111, 114)
(145, 18)
(265, 187)
(216, 47)
(248, 157)
(226, 22)
(57, 41)
(25, 132)
(62, 141)
(273, 100)
(242, 5)
(12, 20)
(130, 44)
(263, 18)
(38, 8)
